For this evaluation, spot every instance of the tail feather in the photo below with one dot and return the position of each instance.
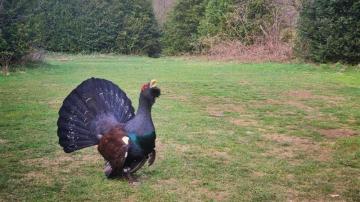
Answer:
(92, 108)
(113, 99)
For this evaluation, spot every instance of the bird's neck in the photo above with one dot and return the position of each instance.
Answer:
(144, 108)
(142, 123)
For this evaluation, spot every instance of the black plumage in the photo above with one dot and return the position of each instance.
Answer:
(98, 112)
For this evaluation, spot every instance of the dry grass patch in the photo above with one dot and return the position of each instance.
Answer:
(307, 95)
(286, 101)
(182, 148)
(259, 52)
(335, 133)
(55, 104)
(291, 146)
(63, 162)
(299, 105)
(258, 174)
(181, 98)
(218, 110)
(39, 178)
(170, 94)
(244, 122)
(219, 155)
(300, 94)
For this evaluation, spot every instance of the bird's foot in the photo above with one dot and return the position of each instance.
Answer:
(129, 177)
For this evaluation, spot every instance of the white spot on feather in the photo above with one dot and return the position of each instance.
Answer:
(126, 154)
(99, 136)
(125, 140)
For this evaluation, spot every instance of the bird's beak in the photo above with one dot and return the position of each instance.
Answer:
(153, 83)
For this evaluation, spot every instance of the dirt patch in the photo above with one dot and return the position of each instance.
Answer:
(169, 93)
(63, 162)
(196, 182)
(306, 95)
(215, 112)
(288, 139)
(176, 97)
(291, 146)
(292, 195)
(221, 155)
(244, 82)
(258, 174)
(299, 105)
(301, 94)
(206, 99)
(218, 110)
(170, 181)
(335, 133)
(45, 161)
(290, 101)
(244, 122)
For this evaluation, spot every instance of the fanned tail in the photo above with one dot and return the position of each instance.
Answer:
(90, 110)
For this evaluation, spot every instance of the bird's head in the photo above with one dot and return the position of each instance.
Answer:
(150, 91)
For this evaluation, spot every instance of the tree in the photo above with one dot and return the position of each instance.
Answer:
(140, 33)
(181, 29)
(329, 31)
(14, 31)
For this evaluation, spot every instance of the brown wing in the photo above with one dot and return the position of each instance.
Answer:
(113, 147)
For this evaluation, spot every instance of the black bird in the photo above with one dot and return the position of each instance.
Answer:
(98, 112)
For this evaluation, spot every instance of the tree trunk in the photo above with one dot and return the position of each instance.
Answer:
(5, 69)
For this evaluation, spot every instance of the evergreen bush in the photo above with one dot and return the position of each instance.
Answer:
(329, 31)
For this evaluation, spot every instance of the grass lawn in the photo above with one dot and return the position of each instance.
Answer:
(225, 132)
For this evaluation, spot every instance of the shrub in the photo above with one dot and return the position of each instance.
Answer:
(198, 25)
(216, 13)
(329, 31)
(181, 29)
(127, 27)
(248, 21)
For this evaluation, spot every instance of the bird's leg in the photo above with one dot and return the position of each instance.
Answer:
(128, 176)
(152, 157)
(107, 169)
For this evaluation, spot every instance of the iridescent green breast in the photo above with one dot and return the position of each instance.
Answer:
(146, 142)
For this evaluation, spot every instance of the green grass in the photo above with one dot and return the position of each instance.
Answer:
(226, 132)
